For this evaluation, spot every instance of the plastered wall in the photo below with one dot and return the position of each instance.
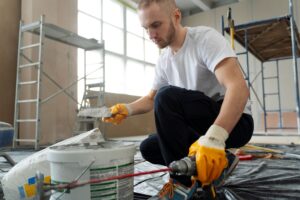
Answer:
(10, 13)
(254, 10)
(60, 63)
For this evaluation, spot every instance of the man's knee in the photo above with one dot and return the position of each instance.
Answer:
(148, 147)
(165, 96)
(150, 150)
(242, 133)
(144, 149)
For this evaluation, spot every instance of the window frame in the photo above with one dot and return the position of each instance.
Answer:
(123, 56)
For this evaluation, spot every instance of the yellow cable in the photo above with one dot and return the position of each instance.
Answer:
(252, 147)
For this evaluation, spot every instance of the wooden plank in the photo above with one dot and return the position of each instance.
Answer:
(268, 41)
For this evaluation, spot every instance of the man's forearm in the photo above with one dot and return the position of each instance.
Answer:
(143, 104)
(237, 92)
(232, 107)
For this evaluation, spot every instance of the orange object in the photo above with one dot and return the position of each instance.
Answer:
(246, 157)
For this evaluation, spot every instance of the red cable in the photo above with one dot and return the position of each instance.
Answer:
(75, 184)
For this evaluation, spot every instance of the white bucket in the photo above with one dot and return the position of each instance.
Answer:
(108, 159)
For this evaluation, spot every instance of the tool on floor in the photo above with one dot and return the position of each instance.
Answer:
(245, 157)
(264, 149)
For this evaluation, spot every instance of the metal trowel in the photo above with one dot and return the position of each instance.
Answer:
(95, 112)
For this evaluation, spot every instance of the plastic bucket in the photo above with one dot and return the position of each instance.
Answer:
(106, 159)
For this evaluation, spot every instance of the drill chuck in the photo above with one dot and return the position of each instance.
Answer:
(185, 166)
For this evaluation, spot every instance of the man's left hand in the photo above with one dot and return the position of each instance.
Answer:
(209, 151)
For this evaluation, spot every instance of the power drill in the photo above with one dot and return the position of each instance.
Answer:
(187, 166)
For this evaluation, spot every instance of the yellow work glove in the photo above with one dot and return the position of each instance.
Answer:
(119, 113)
(209, 151)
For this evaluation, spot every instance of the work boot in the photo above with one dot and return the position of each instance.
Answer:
(175, 191)
(233, 160)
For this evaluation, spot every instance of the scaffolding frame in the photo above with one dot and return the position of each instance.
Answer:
(293, 53)
(58, 34)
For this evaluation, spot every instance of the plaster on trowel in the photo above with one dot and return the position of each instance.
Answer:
(95, 112)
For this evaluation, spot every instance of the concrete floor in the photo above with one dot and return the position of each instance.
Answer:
(276, 137)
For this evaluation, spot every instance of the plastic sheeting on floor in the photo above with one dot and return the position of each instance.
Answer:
(258, 179)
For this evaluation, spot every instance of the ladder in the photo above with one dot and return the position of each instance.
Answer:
(274, 94)
(33, 66)
(94, 88)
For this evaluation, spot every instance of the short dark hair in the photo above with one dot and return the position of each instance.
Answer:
(166, 4)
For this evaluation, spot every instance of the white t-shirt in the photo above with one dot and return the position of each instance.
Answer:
(192, 67)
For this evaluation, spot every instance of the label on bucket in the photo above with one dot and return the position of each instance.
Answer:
(115, 189)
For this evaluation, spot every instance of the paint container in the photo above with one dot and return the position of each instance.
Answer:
(106, 159)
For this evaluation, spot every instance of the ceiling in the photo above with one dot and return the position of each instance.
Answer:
(190, 7)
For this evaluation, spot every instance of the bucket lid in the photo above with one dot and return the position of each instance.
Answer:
(108, 150)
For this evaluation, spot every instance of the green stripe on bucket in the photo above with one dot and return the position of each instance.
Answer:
(113, 167)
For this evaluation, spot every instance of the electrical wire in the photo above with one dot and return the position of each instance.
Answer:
(76, 180)
(76, 184)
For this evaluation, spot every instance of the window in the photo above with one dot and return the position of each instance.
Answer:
(92, 8)
(151, 52)
(149, 76)
(114, 74)
(135, 46)
(133, 23)
(130, 56)
(89, 26)
(113, 38)
(113, 13)
(134, 78)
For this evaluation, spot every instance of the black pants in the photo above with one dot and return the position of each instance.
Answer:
(181, 117)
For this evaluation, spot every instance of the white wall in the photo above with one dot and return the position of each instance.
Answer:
(60, 63)
(248, 11)
(10, 14)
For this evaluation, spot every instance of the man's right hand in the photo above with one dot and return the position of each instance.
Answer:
(118, 113)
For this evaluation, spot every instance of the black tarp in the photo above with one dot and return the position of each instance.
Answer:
(260, 179)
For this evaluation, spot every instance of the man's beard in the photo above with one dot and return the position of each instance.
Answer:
(169, 39)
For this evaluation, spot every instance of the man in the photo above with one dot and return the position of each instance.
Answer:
(199, 97)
